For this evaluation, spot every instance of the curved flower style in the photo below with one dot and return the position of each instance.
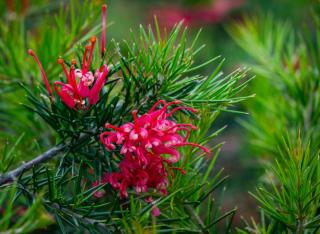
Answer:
(83, 87)
(149, 146)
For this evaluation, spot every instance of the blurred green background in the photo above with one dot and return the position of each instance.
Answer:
(214, 18)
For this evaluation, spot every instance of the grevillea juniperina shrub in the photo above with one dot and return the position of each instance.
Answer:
(132, 132)
(102, 136)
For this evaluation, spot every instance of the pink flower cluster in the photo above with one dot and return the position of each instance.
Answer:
(83, 88)
(149, 147)
(210, 12)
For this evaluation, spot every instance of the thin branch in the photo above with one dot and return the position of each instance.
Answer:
(14, 174)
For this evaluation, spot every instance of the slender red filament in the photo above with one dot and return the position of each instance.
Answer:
(183, 172)
(204, 149)
(170, 104)
(165, 105)
(73, 82)
(156, 105)
(187, 130)
(87, 67)
(181, 108)
(84, 58)
(103, 36)
(61, 84)
(171, 174)
(164, 109)
(44, 77)
(135, 119)
(61, 62)
(183, 125)
(107, 125)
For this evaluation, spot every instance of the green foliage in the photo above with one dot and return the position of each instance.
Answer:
(70, 198)
(287, 85)
(287, 65)
(190, 205)
(167, 64)
(290, 196)
(9, 155)
(19, 212)
(142, 70)
(137, 82)
(20, 216)
(293, 198)
(69, 24)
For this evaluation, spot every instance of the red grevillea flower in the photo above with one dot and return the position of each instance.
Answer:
(151, 133)
(83, 87)
(150, 147)
(132, 175)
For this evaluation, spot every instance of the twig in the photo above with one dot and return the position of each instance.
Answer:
(14, 174)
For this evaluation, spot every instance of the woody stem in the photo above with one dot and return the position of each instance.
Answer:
(13, 175)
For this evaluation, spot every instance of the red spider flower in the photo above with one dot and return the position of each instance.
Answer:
(131, 174)
(149, 146)
(74, 93)
(151, 133)
(83, 87)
